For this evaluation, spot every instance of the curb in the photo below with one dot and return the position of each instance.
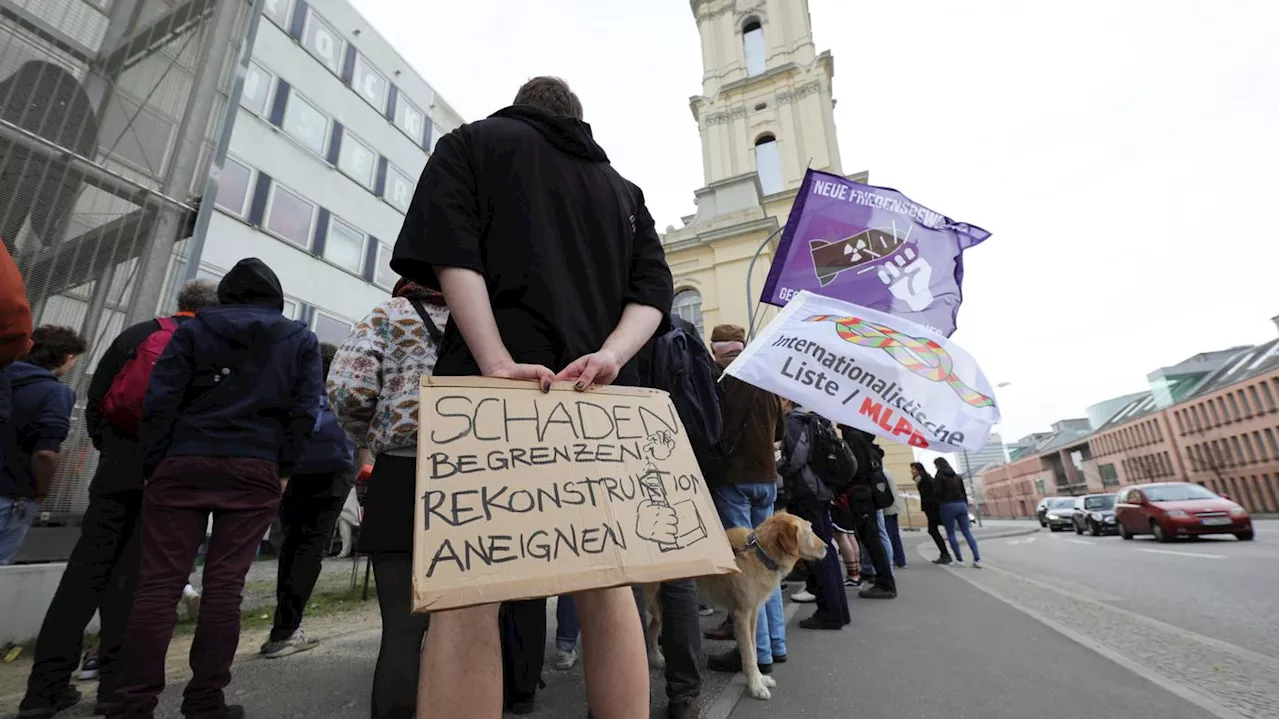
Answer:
(1002, 533)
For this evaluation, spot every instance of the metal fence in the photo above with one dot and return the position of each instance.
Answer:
(108, 111)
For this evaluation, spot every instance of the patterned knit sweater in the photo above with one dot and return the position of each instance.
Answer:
(373, 383)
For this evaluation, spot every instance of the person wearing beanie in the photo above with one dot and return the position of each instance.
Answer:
(745, 494)
(230, 406)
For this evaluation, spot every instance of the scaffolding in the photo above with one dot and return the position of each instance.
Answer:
(110, 111)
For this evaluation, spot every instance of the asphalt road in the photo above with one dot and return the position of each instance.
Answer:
(1217, 586)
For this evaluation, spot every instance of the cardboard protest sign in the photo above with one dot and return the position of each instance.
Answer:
(525, 494)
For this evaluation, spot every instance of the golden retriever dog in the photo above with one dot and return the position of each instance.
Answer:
(764, 557)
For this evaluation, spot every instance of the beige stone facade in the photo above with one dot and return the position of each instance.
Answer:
(765, 114)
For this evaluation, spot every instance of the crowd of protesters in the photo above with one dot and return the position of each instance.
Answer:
(216, 420)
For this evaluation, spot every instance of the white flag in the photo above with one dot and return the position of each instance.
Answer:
(872, 371)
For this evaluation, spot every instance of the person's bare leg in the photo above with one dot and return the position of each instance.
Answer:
(462, 665)
(613, 654)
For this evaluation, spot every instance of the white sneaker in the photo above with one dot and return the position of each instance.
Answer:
(706, 610)
(192, 601)
(566, 660)
(977, 564)
(297, 642)
(804, 597)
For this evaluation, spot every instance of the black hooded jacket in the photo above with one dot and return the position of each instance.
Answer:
(529, 200)
(238, 380)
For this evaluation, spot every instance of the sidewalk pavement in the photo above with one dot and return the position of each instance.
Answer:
(942, 649)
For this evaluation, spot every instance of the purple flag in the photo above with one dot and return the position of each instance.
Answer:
(873, 247)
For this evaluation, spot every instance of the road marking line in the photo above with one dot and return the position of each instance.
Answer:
(1081, 541)
(1028, 540)
(1184, 554)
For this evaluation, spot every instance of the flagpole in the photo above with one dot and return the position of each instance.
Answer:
(751, 269)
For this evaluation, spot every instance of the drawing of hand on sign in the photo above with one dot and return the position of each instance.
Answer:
(907, 276)
(669, 526)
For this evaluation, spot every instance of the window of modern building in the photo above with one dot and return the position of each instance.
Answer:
(1204, 415)
(1248, 448)
(1257, 401)
(345, 246)
(1213, 412)
(409, 118)
(1269, 398)
(289, 216)
(436, 133)
(688, 306)
(329, 328)
(357, 160)
(369, 83)
(768, 165)
(399, 190)
(1244, 404)
(306, 124)
(382, 274)
(1257, 440)
(256, 93)
(1270, 434)
(233, 187)
(323, 42)
(1236, 452)
(279, 12)
(290, 310)
(753, 47)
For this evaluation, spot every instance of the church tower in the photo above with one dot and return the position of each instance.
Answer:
(765, 114)
(766, 105)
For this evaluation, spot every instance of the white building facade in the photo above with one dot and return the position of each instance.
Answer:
(333, 131)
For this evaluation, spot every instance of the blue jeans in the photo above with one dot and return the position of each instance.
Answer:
(895, 537)
(864, 558)
(956, 514)
(748, 505)
(567, 627)
(16, 516)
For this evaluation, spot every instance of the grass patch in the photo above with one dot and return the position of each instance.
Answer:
(323, 601)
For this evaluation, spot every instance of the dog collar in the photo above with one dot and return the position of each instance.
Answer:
(765, 559)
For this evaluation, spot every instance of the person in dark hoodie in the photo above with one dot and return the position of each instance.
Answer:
(953, 508)
(547, 258)
(931, 504)
(812, 499)
(102, 571)
(39, 418)
(229, 409)
(856, 510)
(308, 512)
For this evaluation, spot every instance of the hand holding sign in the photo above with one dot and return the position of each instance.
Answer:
(598, 368)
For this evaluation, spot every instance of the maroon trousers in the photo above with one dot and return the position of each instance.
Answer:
(242, 495)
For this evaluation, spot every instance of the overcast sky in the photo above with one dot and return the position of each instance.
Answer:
(1123, 154)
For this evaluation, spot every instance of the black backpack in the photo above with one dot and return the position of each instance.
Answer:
(871, 482)
(682, 366)
(829, 457)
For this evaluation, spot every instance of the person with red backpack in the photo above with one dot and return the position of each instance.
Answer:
(102, 571)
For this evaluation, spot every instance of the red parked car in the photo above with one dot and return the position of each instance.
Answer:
(1178, 509)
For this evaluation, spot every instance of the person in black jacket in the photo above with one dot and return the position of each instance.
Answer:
(103, 568)
(811, 498)
(857, 511)
(929, 502)
(229, 409)
(308, 512)
(547, 258)
(954, 509)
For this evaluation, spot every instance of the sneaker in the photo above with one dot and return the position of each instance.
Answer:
(684, 709)
(877, 593)
(706, 610)
(730, 662)
(522, 704)
(944, 559)
(90, 666)
(852, 582)
(819, 623)
(192, 601)
(977, 564)
(66, 698)
(297, 642)
(566, 660)
(804, 596)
